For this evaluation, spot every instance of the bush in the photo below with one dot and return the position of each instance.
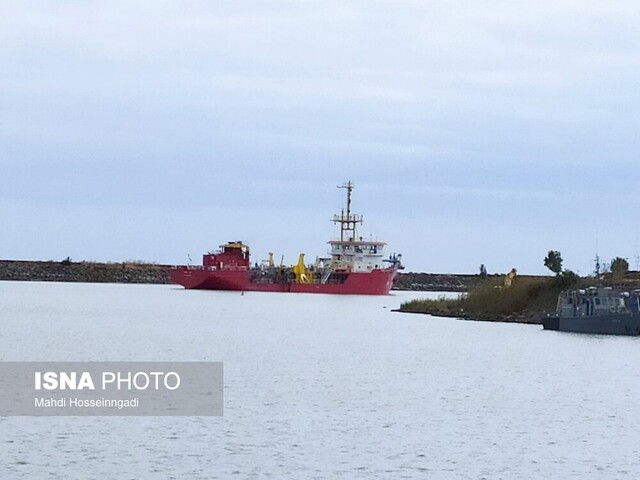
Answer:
(491, 299)
(565, 280)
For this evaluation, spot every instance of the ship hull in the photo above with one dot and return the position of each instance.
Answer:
(376, 282)
(621, 324)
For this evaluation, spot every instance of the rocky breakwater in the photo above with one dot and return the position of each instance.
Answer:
(140, 272)
(68, 271)
(434, 282)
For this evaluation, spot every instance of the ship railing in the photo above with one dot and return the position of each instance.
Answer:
(208, 268)
(193, 267)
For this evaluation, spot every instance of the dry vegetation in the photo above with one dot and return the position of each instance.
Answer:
(526, 300)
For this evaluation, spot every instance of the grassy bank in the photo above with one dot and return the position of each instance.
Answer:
(525, 301)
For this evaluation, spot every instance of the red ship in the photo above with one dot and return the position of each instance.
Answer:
(356, 266)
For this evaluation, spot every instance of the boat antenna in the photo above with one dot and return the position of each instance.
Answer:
(347, 222)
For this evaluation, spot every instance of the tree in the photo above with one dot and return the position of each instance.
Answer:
(553, 261)
(566, 279)
(619, 266)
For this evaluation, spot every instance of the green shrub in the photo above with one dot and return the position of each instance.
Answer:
(491, 298)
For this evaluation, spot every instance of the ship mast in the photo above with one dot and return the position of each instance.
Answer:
(349, 221)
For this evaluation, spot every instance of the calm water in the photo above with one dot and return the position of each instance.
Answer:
(325, 387)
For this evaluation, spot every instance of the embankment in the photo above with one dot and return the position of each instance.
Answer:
(434, 282)
(67, 271)
(139, 272)
(527, 300)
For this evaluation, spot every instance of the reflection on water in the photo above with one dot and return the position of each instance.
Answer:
(325, 387)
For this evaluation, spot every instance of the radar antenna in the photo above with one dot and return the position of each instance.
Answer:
(347, 221)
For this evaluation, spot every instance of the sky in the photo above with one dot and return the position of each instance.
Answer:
(474, 132)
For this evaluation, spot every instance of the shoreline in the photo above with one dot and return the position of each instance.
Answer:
(90, 272)
(151, 273)
(527, 318)
(134, 272)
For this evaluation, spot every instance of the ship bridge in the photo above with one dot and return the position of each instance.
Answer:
(351, 252)
(359, 255)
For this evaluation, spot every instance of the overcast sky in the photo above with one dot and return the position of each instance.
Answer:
(475, 132)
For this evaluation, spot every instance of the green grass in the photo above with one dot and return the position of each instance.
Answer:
(491, 299)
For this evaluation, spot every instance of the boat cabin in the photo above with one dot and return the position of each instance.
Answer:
(358, 255)
(592, 301)
(231, 256)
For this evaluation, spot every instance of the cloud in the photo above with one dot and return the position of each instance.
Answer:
(524, 105)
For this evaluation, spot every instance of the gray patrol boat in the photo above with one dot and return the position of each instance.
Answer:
(596, 310)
